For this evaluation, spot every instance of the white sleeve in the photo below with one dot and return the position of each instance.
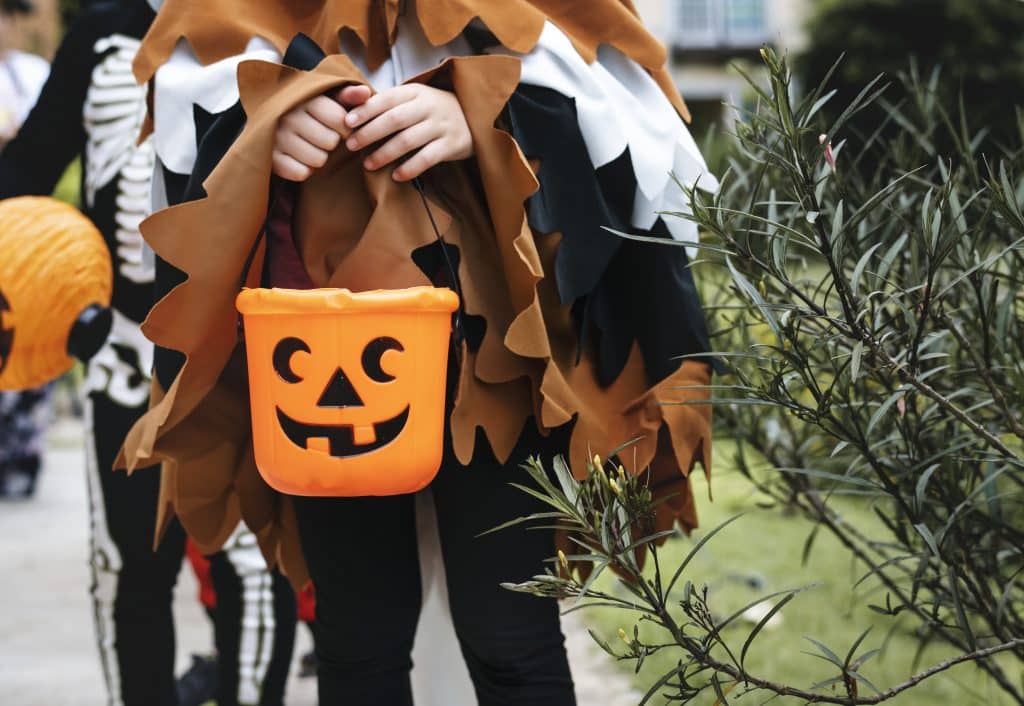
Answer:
(182, 83)
(620, 106)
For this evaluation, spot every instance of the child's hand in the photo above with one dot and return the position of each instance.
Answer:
(418, 119)
(306, 135)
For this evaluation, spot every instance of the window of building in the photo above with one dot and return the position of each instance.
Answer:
(745, 16)
(720, 23)
(697, 21)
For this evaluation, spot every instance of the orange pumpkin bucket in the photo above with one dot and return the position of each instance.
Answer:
(347, 389)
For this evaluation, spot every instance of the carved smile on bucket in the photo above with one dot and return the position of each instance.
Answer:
(340, 441)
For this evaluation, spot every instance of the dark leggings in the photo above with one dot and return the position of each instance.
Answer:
(362, 554)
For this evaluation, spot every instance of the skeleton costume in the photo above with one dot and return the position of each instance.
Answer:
(92, 106)
(577, 341)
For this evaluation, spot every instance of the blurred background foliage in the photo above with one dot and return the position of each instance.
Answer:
(979, 45)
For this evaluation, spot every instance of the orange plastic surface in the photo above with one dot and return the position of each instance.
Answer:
(347, 389)
(53, 265)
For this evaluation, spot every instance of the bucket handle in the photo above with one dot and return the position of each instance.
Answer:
(459, 332)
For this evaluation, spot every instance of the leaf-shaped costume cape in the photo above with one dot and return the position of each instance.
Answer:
(598, 345)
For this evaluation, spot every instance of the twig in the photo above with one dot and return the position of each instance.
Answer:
(818, 698)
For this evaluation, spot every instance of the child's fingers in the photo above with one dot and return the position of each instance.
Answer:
(431, 155)
(393, 121)
(314, 132)
(352, 96)
(289, 168)
(380, 103)
(328, 112)
(401, 144)
(299, 149)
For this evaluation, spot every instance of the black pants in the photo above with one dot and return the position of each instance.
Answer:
(362, 553)
(133, 586)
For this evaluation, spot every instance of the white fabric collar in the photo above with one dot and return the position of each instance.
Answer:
(182, 83)
(618, 104)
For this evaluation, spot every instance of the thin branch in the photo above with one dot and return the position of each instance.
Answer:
(819, 698)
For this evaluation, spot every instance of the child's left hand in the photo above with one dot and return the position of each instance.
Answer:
(418, 119)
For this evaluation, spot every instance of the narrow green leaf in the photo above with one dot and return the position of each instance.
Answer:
(817, 107)
(696, 548)
(855, 356)
(603, 644)
(922, 484)
(751, 292)
(1005, 597)
(818, 686)
(523, 520)
(662, 681)
(719, 692)
(828, 654)
(851, 480)
(597, 571)
(760, 626)
(858, 271)
(864, 658)
(929, 539)
(853, 648)
(570, 486)
(961, 612)
(861, 678)
(1009, 192)
(883, 409)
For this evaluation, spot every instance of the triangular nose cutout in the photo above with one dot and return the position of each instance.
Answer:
(340, 393)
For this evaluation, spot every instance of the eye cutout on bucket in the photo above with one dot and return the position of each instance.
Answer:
(6, 334)
(372, 358)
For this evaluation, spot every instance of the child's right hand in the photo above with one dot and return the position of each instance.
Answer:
(309, 133)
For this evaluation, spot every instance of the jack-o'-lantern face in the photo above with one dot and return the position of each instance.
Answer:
(6, 331)
(347, 389)
(328, 412)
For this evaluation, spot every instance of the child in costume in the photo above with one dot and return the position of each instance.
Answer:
(92, 107)
(22, 414)
(533, 124)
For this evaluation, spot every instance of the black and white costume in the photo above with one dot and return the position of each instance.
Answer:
(607, 138)
(91, 106)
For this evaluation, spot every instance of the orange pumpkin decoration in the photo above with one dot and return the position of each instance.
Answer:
(347, 389)
(55, 287)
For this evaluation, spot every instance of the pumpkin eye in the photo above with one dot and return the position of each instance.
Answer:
(6, 334)
(374, 353)
(283, 353)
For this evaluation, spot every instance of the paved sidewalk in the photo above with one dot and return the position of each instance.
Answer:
(47, 657)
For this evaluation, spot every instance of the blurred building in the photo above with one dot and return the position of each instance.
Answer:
(705, 36)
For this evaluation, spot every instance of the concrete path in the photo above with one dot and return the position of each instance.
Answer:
(47, 657)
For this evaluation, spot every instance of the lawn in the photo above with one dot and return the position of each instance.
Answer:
(761, 554)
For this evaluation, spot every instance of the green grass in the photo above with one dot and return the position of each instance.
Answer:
(69, 186)
(766, 545)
